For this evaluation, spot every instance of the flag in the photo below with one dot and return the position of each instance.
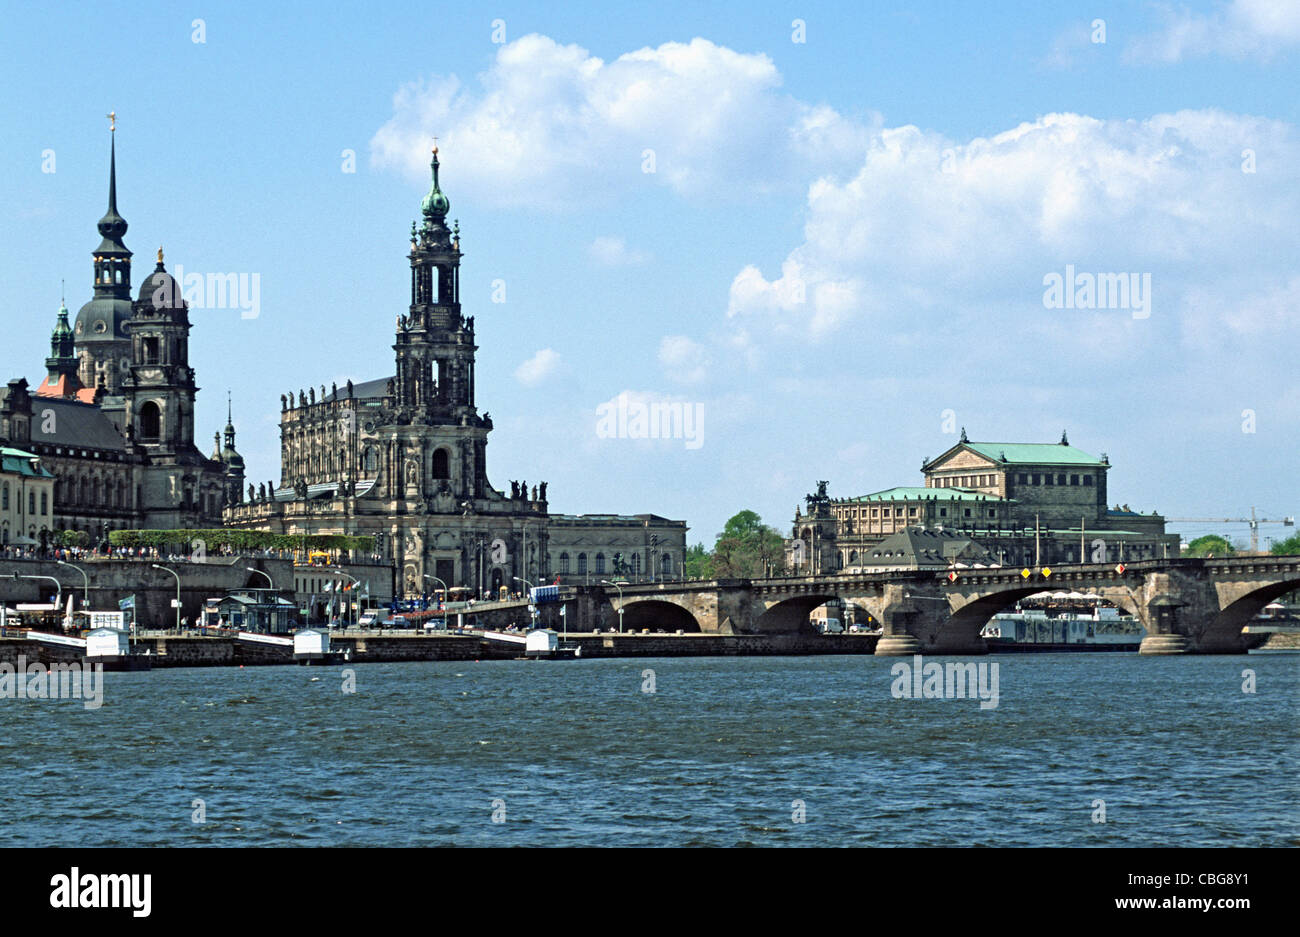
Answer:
(128, 602)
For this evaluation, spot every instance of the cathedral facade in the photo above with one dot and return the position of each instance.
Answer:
(403, 458)
(113, 419)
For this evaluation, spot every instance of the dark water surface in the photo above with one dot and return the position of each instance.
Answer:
(716, 756)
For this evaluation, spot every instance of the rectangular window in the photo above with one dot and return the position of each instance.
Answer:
(1024, 479)
(1060, 479)
(1048, 478)
(1087, 481)
(943, 512)
(1037, 479)
(1074, 479)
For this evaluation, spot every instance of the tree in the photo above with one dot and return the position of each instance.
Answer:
(1210, 544)
(747, 548)
(1288, 547)
(698, 564)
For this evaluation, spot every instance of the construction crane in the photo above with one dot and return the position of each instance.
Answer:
(1253, 521)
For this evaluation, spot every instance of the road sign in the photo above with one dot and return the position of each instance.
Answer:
(1119, 568)
(1025, 574)
(952, 577)
(1046, 571)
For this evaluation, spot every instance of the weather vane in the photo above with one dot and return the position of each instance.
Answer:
(112, 121)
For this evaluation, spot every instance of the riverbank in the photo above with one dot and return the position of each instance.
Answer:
(199, 651)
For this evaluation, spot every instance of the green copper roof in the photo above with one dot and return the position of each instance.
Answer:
(16, 461)
(435, 203)
(1034, 453)
(917, 493)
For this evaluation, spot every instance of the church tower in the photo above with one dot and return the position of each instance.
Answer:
(159, 387)
(434, 384)
(102, 346)
(62, 370)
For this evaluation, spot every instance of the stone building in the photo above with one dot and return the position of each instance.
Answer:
(403, 458)
(1026, 503)
(113, 419)
(26, 497)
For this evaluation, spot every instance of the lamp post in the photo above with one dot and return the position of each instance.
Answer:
(178, 593)
(355, 582)
(261, 573)
(606, 582)
(654, 551)
(85, 582)
(446, 594)
(58, 600)
(531, 605)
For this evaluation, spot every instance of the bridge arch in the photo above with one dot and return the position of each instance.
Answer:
(1224, 630)
(968, 619)
(656, 614)
(790, 615)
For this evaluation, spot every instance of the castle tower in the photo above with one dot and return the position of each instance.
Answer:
(62, 377)
(102, 346)
(159, 388)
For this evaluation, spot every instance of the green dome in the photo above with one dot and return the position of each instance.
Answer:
(435, 203)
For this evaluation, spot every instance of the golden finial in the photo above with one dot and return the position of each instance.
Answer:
(159, 253)
(112, 121)
(435, 146)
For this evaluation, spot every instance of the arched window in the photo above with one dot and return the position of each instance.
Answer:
(150, 422)
(5, 496)
(441, 469)
(564, 564)
(582, 564)
(666, 564)
(600, 563)
(45, 502)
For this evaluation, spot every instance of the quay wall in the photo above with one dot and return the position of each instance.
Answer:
(196, 651)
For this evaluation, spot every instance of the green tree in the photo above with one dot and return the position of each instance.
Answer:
(1288, 547)
(747, 548)
(698, 564)
(1209, 544)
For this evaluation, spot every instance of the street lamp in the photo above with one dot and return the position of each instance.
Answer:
(261, 573)
(606, 582)
(446, 594)
(178, 593)
(58, 600)
(531, 605)
(85, 582)
(355, 582)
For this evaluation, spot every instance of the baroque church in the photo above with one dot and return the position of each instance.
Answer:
(404, 459)
(113, 419)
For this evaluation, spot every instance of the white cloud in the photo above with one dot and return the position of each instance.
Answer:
(614, 252)
(538, 368)
(683, 359)
(548, 124)
(931, 230)
(1239, 29)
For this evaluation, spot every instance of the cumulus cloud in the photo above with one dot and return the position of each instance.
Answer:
(932, 227)
(683, 359)
(538, 368)
(614, 252)
(548, 124)
(1240, 29)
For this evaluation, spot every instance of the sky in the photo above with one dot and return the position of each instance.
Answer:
(827, 233)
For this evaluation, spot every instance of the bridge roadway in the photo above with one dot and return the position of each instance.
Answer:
(1187, 605)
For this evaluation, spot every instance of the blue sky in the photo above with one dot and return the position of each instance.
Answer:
(842, 239)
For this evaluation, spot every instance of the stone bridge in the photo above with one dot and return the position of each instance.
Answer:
(1186, 604)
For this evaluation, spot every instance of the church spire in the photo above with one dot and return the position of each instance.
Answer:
(112, 259)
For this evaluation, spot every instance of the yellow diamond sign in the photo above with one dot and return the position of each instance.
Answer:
(1025, 573)
(1047, 571)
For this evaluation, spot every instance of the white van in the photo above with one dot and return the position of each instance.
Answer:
(831, 626)
(368, 618)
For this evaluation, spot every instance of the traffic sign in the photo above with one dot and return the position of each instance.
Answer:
(1047, 571)
(1025, 573)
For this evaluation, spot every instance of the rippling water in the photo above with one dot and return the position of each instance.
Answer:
(718, 755)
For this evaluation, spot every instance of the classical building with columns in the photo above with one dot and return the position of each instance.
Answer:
(403, 458)
(1027, 504)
